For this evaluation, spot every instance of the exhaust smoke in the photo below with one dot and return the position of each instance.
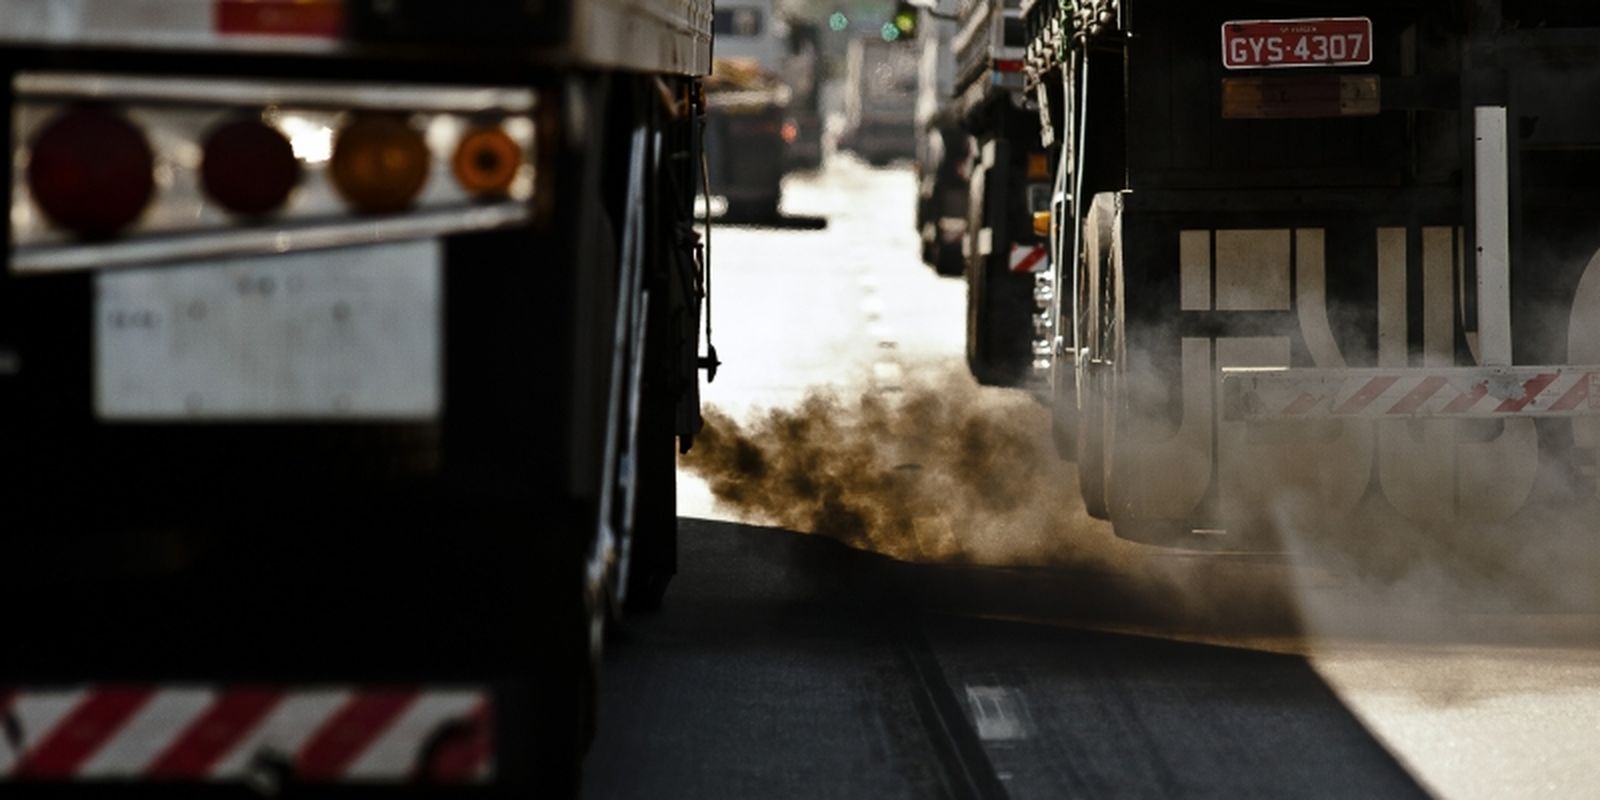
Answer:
(942, 471)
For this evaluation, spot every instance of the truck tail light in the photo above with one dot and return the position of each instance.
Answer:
(91, 171)
(380, 163)
(249, 168)
(118, 170)
(486, 162)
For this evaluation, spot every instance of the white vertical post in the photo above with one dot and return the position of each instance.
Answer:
(1493, 223)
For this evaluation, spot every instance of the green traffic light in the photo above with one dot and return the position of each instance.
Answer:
(890, 32)
(838, 21)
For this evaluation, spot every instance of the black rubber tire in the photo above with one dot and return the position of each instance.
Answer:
(1064, 412)
(947, 260)
(1092, 440)
(654, 559)
(1091, 448)
(1000, 304)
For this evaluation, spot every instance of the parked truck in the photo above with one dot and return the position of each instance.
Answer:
(345, 349)
(1009, 181)
(1334, 262)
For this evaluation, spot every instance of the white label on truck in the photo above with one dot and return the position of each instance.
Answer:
(333, 334)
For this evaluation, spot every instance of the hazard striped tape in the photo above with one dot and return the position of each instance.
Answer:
(230, 734)
(1467, 392)
(1029, 258)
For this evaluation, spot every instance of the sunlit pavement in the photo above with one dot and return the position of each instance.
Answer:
(1472, 703)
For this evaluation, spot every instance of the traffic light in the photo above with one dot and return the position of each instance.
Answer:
(904, 22)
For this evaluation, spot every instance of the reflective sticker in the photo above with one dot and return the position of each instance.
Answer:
(320, 18)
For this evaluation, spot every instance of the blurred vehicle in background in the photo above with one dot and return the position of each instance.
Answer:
(944, 149)
(345, 350)
(880, 99)
(1009, 182)
(803, 70)
(747, 109)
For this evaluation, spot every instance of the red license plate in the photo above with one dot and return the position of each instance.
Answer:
(1266, 44)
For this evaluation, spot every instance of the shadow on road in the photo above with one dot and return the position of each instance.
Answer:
(788, 665)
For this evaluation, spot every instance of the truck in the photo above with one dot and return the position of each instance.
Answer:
(748, 107)
(1008, 182)
(879, 99)
(943, 148)
(803, 71)
(1330, 265)
(346, 347)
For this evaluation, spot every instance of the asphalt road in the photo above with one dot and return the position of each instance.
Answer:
(789, 665)
(1023, 652)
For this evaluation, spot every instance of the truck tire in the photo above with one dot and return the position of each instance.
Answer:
(654, 559)
(1091, 446)
(1116, 475)
(999, 318)
(1063, 408)
(1091, 441)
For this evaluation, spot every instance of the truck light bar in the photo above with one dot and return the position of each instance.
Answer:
(1254, 395)
(186, 168)
(1301, 96)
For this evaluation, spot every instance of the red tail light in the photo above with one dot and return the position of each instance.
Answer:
(91, 171)
(249, 167)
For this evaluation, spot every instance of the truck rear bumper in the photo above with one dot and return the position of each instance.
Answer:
(259, 735)
(1252, 395)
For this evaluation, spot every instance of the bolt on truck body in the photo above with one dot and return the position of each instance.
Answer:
(1320, 261)
(345, 347)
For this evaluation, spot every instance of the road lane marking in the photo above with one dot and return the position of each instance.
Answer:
(998, 713)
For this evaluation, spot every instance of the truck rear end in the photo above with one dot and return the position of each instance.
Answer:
(345, 349)
(1332, 268)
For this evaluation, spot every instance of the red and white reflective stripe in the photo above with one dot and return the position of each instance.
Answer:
(1472, 392)
(210, 734)
(1029, 258)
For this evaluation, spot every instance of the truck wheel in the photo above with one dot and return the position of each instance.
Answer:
(999, 323)
(948, 261)
(1091, 444)
(654, 559)
(1063, 409)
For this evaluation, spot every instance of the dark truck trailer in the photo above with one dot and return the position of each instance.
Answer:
(344, 352)
(1329, 262)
